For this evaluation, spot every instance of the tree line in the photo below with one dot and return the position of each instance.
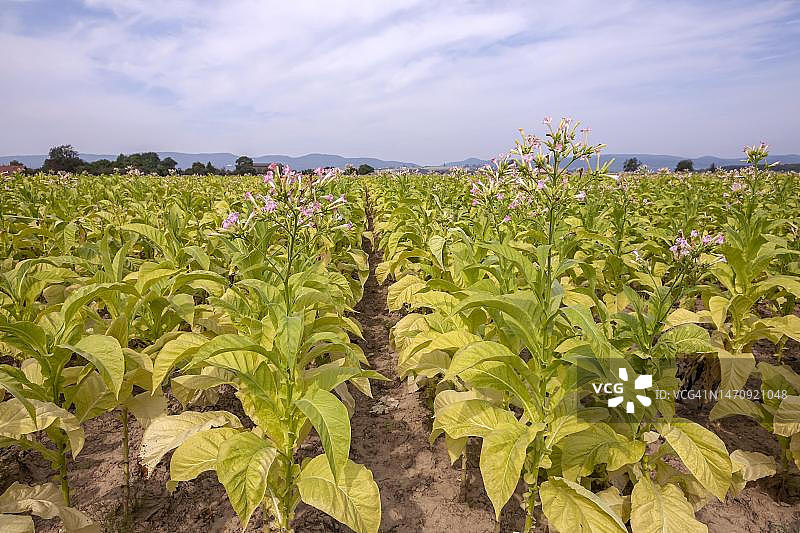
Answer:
(65, 158)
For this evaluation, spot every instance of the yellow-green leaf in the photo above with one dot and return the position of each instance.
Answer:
(352, 499)
(470, 418)
(702, 452)
(662, 509)
(330, 418)
(106, 355)
(166, 432)
(242, 467)
(198, 453)
(570, 507)
(787, 417)
(502, 456)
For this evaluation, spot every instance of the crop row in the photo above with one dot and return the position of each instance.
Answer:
(533, 286)
(116, 292)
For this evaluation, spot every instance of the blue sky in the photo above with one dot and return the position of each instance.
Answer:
(415, 80)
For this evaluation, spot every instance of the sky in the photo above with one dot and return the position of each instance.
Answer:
(425, 81)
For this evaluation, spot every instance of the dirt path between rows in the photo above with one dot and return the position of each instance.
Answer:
(420, 490)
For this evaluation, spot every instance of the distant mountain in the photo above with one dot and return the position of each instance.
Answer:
(328, 160)
(228, 160)
(224, 159)
(653, 161)
(468, 162)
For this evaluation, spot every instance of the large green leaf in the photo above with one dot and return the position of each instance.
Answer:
(598, 444)
(734, 369)
(686, 338)
(93, 398)
(25, 336)
(330, 418)
(702, 452)
(146, 407)
(662, 509)
(198, 453)
(167, 432)
(470, 418)
(172, 353)
(46, 501)
(243, 467)
(570, 507)
(402, 291)
(15, 421)
(787, 417)
(105, 353)
(502, 456)
(352, 498)
(736, 406)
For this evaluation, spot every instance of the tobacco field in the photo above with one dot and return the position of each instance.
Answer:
(537, 345)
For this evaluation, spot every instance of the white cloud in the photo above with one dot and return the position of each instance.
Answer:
(415, 80)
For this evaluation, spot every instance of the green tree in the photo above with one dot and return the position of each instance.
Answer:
(365, 169)
(63, 157)
(166, 165)
(101, 166)
(198, 169)
(15, 163)
(685, 164)
(244, 165)
(631, 165)
(211, 169)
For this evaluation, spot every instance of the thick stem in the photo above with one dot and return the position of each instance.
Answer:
(62, 472)
(126, 469)
(464, 477)
(530, 520)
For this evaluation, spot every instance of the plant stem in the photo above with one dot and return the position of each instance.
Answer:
(126, 469)
(531, 505)
(464, 478)
(62, 471)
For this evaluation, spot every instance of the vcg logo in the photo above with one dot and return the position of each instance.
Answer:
(643, 382)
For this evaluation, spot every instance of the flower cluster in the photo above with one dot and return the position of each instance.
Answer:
(293, 196)
(695, 244)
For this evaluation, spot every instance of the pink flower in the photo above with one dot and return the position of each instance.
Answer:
(581, 196)
(230, 220)
(248, 196)
(270, 205)
(737, 186)
(349, 226)
(328, 197)
(541, 184)
(547, 121)
(507, 218)
(474, 201)
(500, 196)
(720, 239)
(694, 234)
